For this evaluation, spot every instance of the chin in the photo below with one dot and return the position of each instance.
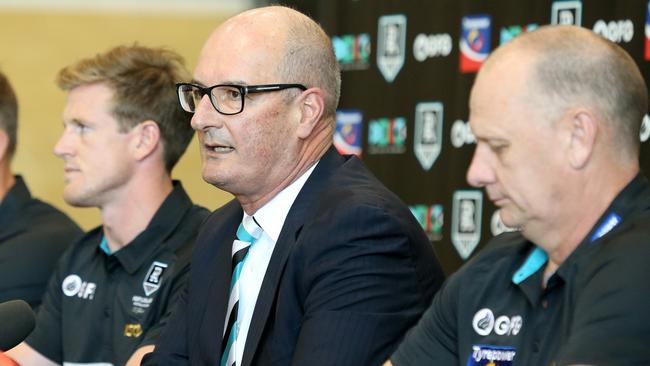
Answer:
(77, 200)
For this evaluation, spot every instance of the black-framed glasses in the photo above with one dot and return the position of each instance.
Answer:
(227, 99)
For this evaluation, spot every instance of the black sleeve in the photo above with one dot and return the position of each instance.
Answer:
(171, 347)
(434, 340)
(611, 324)
(47, 335)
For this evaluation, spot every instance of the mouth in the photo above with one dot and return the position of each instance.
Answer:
(218, 148)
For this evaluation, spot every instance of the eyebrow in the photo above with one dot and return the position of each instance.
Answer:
(227, 82)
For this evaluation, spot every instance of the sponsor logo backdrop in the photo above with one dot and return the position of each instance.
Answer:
(408, 67)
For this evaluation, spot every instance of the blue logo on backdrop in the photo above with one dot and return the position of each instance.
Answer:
(347, 137)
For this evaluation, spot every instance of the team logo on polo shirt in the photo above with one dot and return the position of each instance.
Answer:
(391, 42)
(73, 285)
(427, 141)
(466, 221)
(153, 278)
(488, 355)
(474, 42)
(566, 13)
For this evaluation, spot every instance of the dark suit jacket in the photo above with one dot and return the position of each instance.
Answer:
(351, 271)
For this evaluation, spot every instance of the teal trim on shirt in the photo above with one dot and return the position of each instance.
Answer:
(104, 246)
(536, 259)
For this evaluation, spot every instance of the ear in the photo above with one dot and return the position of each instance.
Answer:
(145, 139)
(583, 129)
(4, 145)
(312, 107)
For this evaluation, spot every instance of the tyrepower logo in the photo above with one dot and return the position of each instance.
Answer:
(474, 42)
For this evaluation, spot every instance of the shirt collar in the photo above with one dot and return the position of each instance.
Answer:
(626, 202)
(162, 225)
(271, 216)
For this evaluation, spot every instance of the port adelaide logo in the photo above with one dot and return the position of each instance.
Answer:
(566, 13)
(466, 221)
(153, 278)
(427, 141)
(391, 42)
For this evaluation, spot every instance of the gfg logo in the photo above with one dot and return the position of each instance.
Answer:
(432, 45)
(484, 323)
(461, 134)
(73, 285)
(616, 31)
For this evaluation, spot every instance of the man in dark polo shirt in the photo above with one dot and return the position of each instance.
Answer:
(123, 133)
(556, 114)
(33, 234)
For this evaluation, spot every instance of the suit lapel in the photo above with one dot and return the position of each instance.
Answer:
(288, 237)
(215, 295)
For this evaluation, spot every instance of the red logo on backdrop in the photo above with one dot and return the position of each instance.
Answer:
(474, 42)
(647, 32)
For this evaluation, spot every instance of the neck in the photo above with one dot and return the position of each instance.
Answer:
(7, 179)
(308, 154)
(127, 217)
(589, 201)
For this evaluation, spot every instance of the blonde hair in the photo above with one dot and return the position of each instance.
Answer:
(143, 82)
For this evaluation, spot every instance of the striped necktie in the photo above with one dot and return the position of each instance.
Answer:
(247, 234)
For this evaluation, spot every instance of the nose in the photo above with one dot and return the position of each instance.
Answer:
(480, 172)
(63, 146)
(205, 115)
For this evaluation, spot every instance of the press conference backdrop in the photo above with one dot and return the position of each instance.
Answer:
(408, 67)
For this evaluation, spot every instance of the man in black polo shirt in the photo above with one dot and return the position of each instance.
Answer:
(123, 133)
(556, 114)
(33, 234)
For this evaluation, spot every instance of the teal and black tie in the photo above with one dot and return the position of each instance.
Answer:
(247, 234)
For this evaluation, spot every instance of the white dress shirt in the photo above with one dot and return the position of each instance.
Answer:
(271, 218)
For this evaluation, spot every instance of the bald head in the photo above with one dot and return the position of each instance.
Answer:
(572, 66)
(298, 50)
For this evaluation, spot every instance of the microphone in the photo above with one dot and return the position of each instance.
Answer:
(16, 322)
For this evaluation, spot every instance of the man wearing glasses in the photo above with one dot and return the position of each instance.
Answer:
(123, 133)
(314, 262)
